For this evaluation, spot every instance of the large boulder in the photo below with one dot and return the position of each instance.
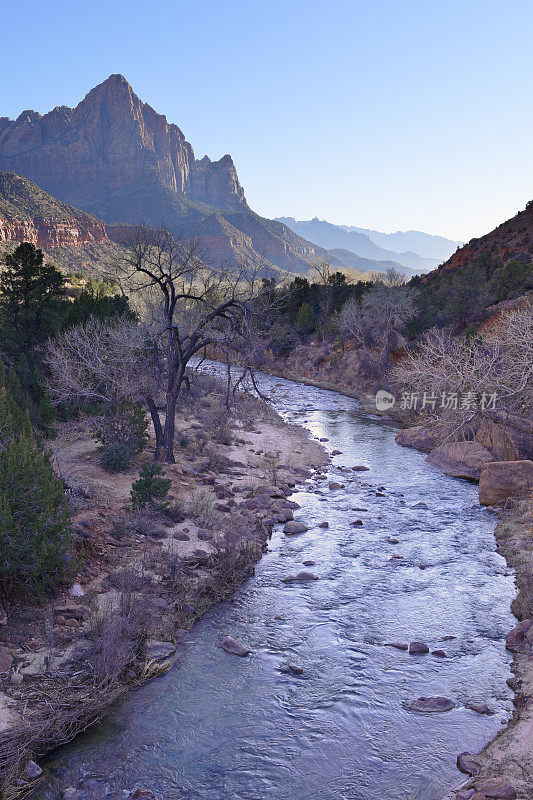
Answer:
(496, 438)
(461, 459)
(159, 651)
(503, 479)
(496, 788)
(520, 638)
(419, 437)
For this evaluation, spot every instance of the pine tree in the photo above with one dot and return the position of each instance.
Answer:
(34, 517)
(151, 488)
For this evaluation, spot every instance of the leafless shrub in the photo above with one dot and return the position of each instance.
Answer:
(200, 507)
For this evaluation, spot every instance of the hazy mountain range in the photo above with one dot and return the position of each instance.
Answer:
(415, 249)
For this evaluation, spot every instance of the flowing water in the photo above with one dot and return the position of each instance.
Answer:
(217, 727)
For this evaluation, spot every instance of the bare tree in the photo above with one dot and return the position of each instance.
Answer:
(329, 281)
(496, 364)
(188, 307)
(380, 316)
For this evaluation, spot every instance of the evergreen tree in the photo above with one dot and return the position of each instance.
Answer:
(34, 517)
(305, 319)
(151, 488)
(30, 295)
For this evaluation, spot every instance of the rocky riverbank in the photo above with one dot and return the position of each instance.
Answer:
(143, 579)
(504, 768)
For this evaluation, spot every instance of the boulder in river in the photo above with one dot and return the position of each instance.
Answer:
(397, 645)
(303, 575)
(418, 648)
(468, 764)
(294, 527)
(291, 669)
(360, 468)
(439, 653)
(520, 638)
(479, 707)
(496, 788)
(461, 459)
(501, 480)
(324, 525)
(232, 646)
(430, 705)
(159, 651)
(334, 485)
(418, 437)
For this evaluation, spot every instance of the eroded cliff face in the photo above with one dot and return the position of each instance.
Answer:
(48, 234)
(112, 142)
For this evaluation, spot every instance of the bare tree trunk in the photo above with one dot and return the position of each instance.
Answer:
(159, 437)
(170, 425)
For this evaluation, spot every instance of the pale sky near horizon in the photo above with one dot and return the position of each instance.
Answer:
(386, 114)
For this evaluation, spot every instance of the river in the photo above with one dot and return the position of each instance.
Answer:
(217, 727)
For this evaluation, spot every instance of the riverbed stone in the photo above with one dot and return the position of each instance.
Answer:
(397, 645)
(439, 653)
(323, 525)
(294, 527)
(302, 576)
(235, 648)
(334, 485)
(418, 648)
(479, 707)
(519, 639)
(496, 788)
(159, 651)
(468, 764)
(291, 669)
(430, 705)
(360, 468)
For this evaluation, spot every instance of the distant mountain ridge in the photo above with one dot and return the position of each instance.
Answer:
(432, 250)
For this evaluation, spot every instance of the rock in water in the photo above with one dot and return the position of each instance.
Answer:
(418, 648)
(396, 645)
(294, 527)
(232, 646)
(468, 764)
(303, 575)
(289, 669)
(430, 705)
(159, 651)
(479, 707)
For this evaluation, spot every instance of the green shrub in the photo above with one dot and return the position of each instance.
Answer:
(115, 457)
(151, 488)
(34, 518)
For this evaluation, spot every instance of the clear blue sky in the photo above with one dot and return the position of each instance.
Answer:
(389, 114)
